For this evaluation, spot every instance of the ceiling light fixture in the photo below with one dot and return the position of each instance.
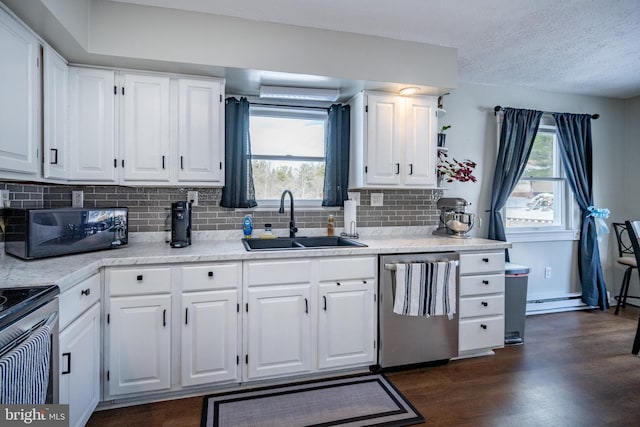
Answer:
(300, 93)
(405, 91)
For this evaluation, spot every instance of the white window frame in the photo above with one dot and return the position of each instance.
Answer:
(570, 213)
(292, 112)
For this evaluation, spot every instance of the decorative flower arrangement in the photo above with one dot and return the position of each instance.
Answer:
(454, 170)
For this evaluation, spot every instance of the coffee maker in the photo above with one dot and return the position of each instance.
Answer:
(455, 221)
(180, 224)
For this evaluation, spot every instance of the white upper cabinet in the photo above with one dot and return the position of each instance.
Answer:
(56, 115)
(20, 100)
(145, 128)
(392, 141)
(200, 131)
(92, 153)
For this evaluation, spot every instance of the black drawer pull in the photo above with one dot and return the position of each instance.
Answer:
(139, 278)
(325, 302)
(483, 326)
(485, 259)
(162, 162)
(397, 168)
(210, 274)
(364, 281)
(186, 316)
(86, 292)
(164, 318)
(55, 153)
(68, 370)
(485, 282)
(306, 306)
(484, 303)
(338, 283)
(410, 168)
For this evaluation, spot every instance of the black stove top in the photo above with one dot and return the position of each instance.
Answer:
(18, 302)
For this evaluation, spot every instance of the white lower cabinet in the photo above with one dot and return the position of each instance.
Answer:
(139, 344)
(80, 366)
(79, 349)
(481, 302)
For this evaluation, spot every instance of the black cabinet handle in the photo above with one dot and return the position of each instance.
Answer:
(485, 259)
(162, 162)
(164, 318)
(186, 316)
(484, 303)
(122, 162)
(115, 163)
(306, 306)
(338, 283)
(181, 162)
(55, 156)
(364, 281)
(68, 370)
(483, 326)
(485, 282)
(397, 168)
(86, 292)
(325, 302)
(139, 278)
(210, 274)
(410, 168)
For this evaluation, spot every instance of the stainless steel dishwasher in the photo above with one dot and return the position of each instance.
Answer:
(409, 340)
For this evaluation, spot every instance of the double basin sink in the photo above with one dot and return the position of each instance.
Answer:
(297, 243)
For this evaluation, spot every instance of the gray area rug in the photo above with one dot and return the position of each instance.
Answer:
(362, 400)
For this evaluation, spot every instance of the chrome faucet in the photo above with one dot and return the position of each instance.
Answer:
(292, 222)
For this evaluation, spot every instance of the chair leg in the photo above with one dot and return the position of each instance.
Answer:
(636, 340)
(624, 290)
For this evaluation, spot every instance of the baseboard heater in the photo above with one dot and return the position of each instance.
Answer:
(556, 305)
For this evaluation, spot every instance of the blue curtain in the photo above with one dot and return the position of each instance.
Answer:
(336, 173)
(574, 136)
(238, 191)
(519, 128)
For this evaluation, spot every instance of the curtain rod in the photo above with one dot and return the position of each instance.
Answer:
(288, 106)
(499, 108)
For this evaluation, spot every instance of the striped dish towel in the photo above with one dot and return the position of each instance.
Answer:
(426, 288)
(24, 370)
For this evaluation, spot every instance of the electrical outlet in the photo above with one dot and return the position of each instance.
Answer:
(377, 199)
(354, 195)
(4, 199)
(192, 196)
(547, 272)
(77, 199)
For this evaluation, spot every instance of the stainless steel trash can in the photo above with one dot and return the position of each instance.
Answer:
(515, 304)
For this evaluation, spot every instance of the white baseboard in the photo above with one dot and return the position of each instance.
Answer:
(556, 306)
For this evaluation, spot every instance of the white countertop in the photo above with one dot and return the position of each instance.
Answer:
(68, 270)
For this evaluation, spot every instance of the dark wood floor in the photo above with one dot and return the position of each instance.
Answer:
(575, 369)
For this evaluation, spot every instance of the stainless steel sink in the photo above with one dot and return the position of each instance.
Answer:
(298, 243)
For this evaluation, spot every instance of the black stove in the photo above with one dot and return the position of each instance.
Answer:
(18, 302)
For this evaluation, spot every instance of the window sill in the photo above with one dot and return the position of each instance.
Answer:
(543, 236)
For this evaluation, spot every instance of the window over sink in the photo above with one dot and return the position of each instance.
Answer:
(288, 152)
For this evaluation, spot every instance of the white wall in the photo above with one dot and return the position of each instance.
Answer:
(473, 135)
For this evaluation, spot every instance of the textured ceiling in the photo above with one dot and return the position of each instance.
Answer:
(574, 46)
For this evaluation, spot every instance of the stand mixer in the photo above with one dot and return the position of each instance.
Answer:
(454, 220)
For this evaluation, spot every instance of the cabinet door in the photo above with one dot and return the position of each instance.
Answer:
(139, 344)
(20, 100)
(145, 119)
(420, 145)
(384, 133)
(278, 330)
(91, 111)
(80, 366)
(200, 131)
(56, 113)
(346, 324)
(209, 337)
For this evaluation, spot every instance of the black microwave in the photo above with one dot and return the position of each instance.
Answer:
(40, 233)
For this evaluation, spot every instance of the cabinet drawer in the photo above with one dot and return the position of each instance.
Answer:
(347, 268)
(481, 333)
(481, 262)
(213, 276)
(481, 306)
(78, 299)
(136, 281)
(278, 272)
(481, 284)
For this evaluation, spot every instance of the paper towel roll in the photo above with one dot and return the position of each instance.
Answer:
(350, 217)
